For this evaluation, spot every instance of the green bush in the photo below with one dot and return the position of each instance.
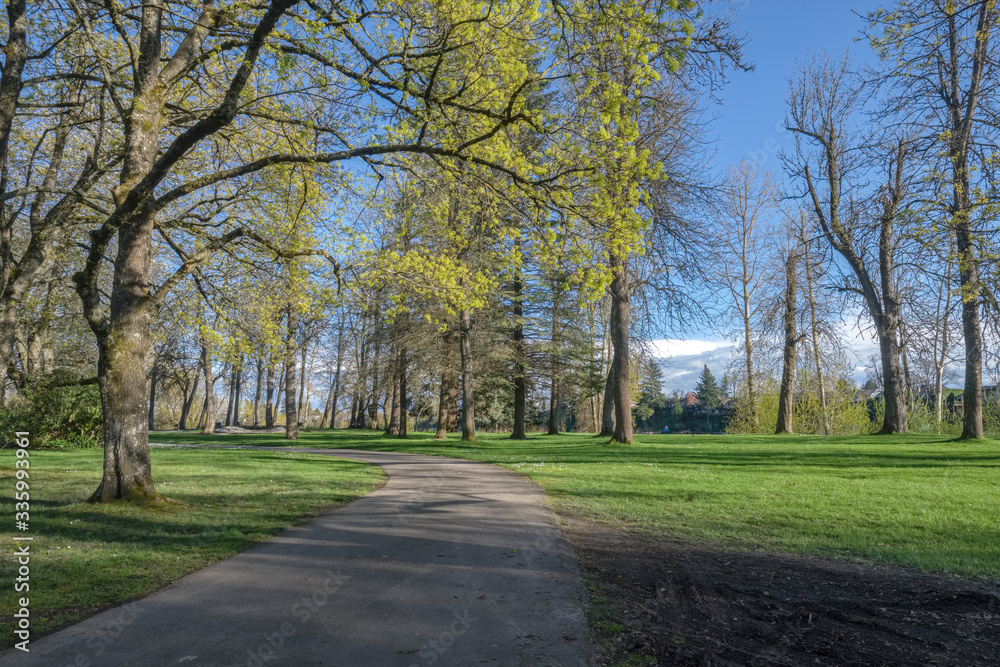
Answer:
(55, 413)
(76, 442)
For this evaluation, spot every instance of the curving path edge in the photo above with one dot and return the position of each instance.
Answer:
(452, 562)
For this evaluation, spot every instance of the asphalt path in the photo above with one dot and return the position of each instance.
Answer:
(452, 562)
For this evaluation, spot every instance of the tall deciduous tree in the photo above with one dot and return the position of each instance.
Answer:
(939, 67)
(747, 201)
(828, 166)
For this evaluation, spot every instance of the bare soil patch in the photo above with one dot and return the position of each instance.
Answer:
(691, 605)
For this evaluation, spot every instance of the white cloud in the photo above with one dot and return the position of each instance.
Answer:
(685, 359)
(675, 347)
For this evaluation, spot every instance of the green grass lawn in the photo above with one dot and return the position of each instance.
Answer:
(85, 557)
(921, 501)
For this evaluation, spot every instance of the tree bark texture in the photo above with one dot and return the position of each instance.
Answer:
(620, 313)
(152, 395)
(786, 393)
(208, 428)
(468, 394)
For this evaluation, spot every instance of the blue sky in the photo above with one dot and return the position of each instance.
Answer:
(749, 123)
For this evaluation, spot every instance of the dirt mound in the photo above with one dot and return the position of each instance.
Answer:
(683, 605)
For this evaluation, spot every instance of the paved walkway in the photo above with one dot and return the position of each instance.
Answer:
(452, 562)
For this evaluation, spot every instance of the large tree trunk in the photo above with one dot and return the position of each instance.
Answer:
(620, 312)
(892, 385)
(968, 272)
(291, 407)
(122, 371)
(15, 57)
(786, 394)
(468, 395)
(208, 428)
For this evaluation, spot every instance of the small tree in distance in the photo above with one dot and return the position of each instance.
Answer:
(708, 392)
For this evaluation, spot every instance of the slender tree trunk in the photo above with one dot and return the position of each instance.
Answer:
(620, 313)
(393, 426)
(336, 376)
(751, 388)
(888, 327)
(152, 395)
(403, 413)
(553, 406)
(231, 397)
(448, 395)
(326, 420)
(554, 369)
(237, 420)
(188, 402)
(786, 394)
(256, 392)
(442, 419)
(303, 409)
(186, 406)
(941, 345)
(905, 359)
(814, 317)
(269, 397)
(468, 395)
(608, 409)
(208, 428)
(520, 354)
(291, 408)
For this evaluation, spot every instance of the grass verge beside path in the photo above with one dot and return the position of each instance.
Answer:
(920, 501)
(87, 557)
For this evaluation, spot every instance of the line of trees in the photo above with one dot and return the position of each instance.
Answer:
(174, 176)
(472, 214)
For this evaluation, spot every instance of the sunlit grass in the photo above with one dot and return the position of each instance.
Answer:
(922, 501)
(85, 557)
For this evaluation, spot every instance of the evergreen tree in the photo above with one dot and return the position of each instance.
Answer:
(708, 390)
(651, 398)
